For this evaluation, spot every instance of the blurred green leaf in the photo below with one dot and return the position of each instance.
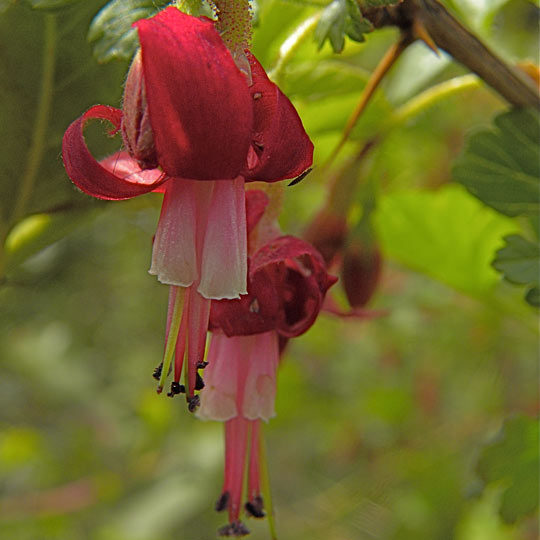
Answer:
(446, 234)
(502, 167)
(519, 261)
(111, 30)
(513, 461)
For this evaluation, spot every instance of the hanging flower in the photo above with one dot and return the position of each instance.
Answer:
(286, 287)
(195, 127)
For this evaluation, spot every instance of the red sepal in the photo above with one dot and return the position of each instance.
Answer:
(280, 142)
(199, 102)
(256, 203)
(88, 174)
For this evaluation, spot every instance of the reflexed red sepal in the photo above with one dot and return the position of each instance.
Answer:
(283, 148)
(199, 102)
(92, 177)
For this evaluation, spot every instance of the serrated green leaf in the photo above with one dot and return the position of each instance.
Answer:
(111, 30)
(331, 25)
(512, 460)
(502, 167)
(426, 231)
(355, 25)
(518, 260)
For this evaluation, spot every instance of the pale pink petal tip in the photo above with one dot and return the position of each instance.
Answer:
(224, 256)
(174, 255)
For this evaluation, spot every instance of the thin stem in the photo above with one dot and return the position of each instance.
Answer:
(388, 60)
(176, 319)
(38, 144)
(291, 44)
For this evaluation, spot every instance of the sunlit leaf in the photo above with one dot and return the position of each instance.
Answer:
(501, 166)
(445, 234)
(512, 461)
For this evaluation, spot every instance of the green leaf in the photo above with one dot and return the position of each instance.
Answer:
(519, 261)
(340, 18)
(38, 104)
(111, 30)
(512, 461)
(446, 234)
(331, 25)
(501, 166)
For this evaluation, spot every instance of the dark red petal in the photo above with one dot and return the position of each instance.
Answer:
(87, 173)
(199, 102)
(254, 313)
(256, 203)
(300, 278)
(279, 139)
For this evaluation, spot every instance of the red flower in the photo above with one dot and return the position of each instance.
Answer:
(191, 115)
(286, 288)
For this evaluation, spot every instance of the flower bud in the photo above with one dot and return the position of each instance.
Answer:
(326, 233)
(361, 270)
(136, 127)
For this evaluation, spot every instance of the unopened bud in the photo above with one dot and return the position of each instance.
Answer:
(136, 127)
(360, 273)
(327, 234)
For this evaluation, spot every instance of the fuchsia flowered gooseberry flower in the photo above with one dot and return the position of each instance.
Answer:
(287, 283)
(195, 127)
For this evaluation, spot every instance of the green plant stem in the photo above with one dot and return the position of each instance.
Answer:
(291, 44)
(39, 135)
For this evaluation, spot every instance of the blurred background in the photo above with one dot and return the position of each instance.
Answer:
(417, 424)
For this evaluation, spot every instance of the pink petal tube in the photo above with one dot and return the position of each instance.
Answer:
(224, 252)
(174, 256)
(240, 378)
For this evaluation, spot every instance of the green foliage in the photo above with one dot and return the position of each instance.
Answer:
(519, 262)
(502, 166)
(444, 234)
(338, 19)
(512, 463)
(39, 103)
(111, 30)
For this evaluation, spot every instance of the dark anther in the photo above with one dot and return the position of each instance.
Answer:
(234, 529)
(157, 372)
(298, 179)
(199, 383)
(193, 403)
(176, 388)
(223, 501)
(255, 507)
(202, 365)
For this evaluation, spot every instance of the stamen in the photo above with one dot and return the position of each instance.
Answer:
(157, 371)
(202, 365)
(199, 383)
(223, 502)
(255, 508)
(234, 529)
(194, 403)
(176, 388)
(172, 336)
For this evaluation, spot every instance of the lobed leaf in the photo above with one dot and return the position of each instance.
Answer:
(512, 461)
(501, 166)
